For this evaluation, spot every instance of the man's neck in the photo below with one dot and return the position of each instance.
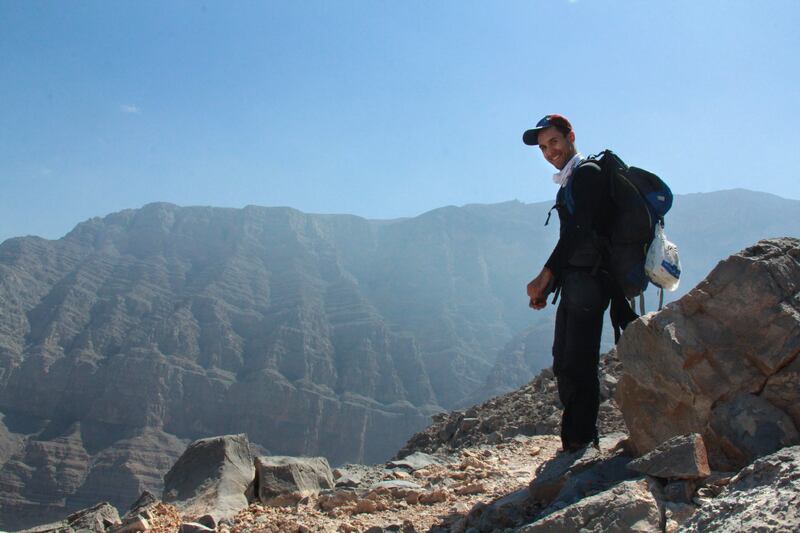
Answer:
(562, 176)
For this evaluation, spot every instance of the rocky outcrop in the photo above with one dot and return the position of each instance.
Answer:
(211, 478)
(722, 361)
(765, 496)
(287, 480)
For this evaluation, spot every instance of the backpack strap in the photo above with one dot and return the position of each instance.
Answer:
(550, 212)
(621, 313)
(590, 161)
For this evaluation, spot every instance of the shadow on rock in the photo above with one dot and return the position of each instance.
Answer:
(558, 483)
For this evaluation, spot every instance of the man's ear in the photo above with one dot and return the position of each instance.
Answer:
(571, 136)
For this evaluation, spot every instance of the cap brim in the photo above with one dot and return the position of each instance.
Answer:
(531, 137)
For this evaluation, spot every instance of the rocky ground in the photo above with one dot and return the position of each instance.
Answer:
(436, 497)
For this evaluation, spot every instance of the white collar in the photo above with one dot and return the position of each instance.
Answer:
(561, 177)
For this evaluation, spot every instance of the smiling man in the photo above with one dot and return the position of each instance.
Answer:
(577, 269)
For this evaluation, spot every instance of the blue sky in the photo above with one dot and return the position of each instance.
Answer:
(380, 108)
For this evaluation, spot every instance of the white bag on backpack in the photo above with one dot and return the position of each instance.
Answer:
(662, 265)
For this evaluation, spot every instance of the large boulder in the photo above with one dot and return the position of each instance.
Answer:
(681, 457)
(722, 361)
(282, 480)
(764, 496)
(628, 506)
(211, 477)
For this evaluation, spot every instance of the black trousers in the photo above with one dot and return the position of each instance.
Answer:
(576, 354)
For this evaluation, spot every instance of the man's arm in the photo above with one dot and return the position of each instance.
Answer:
(588, 192)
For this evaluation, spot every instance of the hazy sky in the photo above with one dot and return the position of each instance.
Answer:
(380, 108)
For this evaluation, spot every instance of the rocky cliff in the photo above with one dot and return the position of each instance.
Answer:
(314, 334)
(496, 466)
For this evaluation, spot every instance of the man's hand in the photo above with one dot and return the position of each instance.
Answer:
(538, 289)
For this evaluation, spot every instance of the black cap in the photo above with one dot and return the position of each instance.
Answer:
(531, 137)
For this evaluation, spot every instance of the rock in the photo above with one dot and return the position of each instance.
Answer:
(415, 461)
(764, 496)
(628, 506)
(193, 527)
(681, 457)
(608, 384)
(348, 481)
(470, 488)
(147, 499)
(132, 524)
(339, 498)
(508, 511)
(95, 519)
(283, 480)
(569, 476)
(432, 497)
(207, 520)
(405, 527)
(366, 506)
(449, 429)
(211, 477)
(394, 484)
(598, 477)
(468, 424)
(721, 361)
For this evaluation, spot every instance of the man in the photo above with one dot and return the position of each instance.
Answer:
(576, 268)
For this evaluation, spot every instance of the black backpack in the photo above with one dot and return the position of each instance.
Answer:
(640, 201)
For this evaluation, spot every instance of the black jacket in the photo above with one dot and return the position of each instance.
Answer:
(584, 213)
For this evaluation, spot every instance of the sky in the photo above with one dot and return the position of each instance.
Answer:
(378, 108)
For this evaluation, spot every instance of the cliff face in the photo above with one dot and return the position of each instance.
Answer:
(318, 335)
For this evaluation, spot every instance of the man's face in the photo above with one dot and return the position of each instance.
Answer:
(556, 148)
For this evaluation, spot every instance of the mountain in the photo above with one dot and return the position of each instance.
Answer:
(698, 432)
(328, 335)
